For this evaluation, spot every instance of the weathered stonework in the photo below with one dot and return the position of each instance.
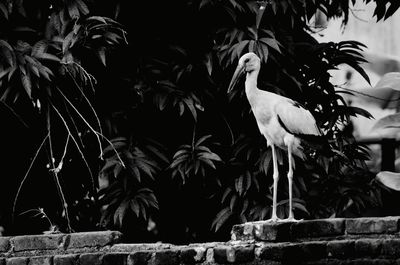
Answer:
(355, 241)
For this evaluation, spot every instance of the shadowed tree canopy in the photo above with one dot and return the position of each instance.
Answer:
(117, 116)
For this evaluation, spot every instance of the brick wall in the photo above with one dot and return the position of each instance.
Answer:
(327, 241)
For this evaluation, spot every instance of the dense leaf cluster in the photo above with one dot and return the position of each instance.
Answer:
(144, 84)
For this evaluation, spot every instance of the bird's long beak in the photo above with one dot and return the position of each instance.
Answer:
(240, 70)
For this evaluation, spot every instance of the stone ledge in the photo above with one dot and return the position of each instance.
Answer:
(346, 251)
(321, 228)
(52, 244)
(331, 241)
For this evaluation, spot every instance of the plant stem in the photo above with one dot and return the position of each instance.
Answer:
(55, 173)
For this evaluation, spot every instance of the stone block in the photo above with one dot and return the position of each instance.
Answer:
(93, 239)
(65, 259)
(48, 260)
(37, 242)
(313, 250)
(368, 247)
(391, 248)
(122, 247)
(4, 244)
(139, 258)
(267, 231)
(271, 252)
(17, 261)
(193, 255)
(340, 249)
(243, 231)
(91, 259)
(372, 225)
(165, 257)
(115, 259)
(234, 254)
(318, 228)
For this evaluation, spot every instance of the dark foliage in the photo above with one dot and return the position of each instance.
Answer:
(184, 161)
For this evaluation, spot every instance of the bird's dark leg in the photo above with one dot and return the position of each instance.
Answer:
(274, 217)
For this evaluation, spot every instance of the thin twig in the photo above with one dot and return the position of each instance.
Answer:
(87, 100)
(74, 125)
(85, 121)
(77, 146)
(55, 174)
(14, 113)
(26, 174)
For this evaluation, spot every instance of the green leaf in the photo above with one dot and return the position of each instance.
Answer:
(389, 179)
(27, 84)
(82, 7)
(47, 56)
(4, 10)
(221, 218)
(232, 203)
(273, 43)
(202, 139)
(134, 207)
(97, 18)
(73, 10)
(101, 53)
(228, 190)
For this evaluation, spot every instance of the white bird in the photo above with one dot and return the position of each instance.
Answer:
(280, 120)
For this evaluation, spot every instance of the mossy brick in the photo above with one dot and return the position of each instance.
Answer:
(139, 258)
(37, 242)
(368, 225)
(368, 247)
(318, 228)
(340, 249)
(44, 260)
(243, 231)
(17, 261)
(391, 248)
(93, 239)
(91, 259)
(164, 257)
(234, 254)
(192, 255)
(268, 231)
(4, 244)
(71, 259)
(115, 259)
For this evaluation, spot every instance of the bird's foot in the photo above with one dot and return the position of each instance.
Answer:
(274, 219)
(291, 219)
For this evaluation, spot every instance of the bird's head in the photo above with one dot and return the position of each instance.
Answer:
(248, 63)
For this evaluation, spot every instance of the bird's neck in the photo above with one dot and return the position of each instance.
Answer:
(251, 83)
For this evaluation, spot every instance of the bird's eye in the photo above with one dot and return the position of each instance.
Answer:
(247, 60)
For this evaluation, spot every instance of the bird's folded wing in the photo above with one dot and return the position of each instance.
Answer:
(295, 119)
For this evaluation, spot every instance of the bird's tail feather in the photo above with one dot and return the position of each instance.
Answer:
(317, 143)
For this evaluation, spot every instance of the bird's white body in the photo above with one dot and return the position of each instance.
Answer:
(267, 107)
(279, 119)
